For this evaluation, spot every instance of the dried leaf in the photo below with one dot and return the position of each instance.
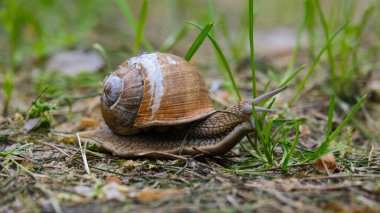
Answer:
(114, 191)
(130, 164)
(83, 190)
(326, 163)
(89, 122)
(29, 165)
(113, 179)
(32, 123)
(304, 130)
(149, 194)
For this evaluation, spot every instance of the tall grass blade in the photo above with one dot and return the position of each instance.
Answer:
(8, 86)
(140, 27)
(323, 147)
(103, 52)
(289, 154)
(297, 47)
(292, 76)
(252, 47)
(358, 35)
(198, 41)
(329, 46)
(330, 115)
(128, 15)
(224, 60)
(314, 64)
(172, 40)
(310, 25)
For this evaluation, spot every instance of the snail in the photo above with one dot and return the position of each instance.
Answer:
(157, 105)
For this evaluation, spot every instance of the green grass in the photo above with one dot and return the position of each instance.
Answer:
(173, 39)
(252, 47)
(104, 54)
(8, 86)
(341, 45)
(222, 57)
(323, 110)
(314, 64)
(325, 148)
(140, 27)
(326, 29)
(198, 41)
(133, 24)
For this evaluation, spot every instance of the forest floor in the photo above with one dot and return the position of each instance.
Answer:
(43, 170)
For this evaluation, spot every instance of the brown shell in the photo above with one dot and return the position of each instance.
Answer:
(158, 89)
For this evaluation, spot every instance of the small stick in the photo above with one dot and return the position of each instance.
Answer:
(370, 154)
(83, 151)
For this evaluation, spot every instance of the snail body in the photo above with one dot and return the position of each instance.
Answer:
(134, 110)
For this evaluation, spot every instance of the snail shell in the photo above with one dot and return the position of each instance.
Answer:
(154, 90)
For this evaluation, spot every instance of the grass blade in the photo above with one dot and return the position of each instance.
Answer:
(292, 76)
(297, 47)
(174, 39)
(252, 47)
(289, 154)
(330, 115)
(224, 60)
(329, 50)
(140, 27)
(198, 41)
(324, 146)
(103, 52)
(314, 64)
(8, 89)
(128, 15)
(310, 25)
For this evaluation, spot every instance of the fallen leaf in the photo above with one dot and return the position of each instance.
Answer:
(32, 123)
(130, 164)
(29, 165)
(304, 130)
(83, 190)
(149, 194)
(114, 191)
(113, 179)
(152, 166)
(18, 117)
(89, 122)
(326, 163)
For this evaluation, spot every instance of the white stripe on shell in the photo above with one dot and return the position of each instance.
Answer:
(154, 76)
(170, 60)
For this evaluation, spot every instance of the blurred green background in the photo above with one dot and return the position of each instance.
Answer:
(32, 30)
(35, 28)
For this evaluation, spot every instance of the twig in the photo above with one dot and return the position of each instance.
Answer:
(53, 146)
(83, 151)
(370, 154)
(342, 176)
